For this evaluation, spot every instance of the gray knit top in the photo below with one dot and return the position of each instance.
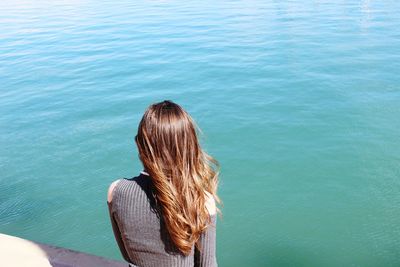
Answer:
(141, 234)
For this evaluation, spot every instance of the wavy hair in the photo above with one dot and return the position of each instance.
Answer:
(184, 176)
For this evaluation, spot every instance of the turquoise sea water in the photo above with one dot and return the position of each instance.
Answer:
(298, 100)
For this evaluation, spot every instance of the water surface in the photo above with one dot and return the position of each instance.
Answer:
(298, 100)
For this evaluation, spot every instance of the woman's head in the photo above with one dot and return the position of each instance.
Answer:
(182, 173)
(167, 138)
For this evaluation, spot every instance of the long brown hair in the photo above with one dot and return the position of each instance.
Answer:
(184, 176)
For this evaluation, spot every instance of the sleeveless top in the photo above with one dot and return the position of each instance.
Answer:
(141, 234)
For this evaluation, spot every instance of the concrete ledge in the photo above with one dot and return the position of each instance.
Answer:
(15, 251)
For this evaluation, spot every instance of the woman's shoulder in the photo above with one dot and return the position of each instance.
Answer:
(141, 182)
(111, 190)
(210, 204)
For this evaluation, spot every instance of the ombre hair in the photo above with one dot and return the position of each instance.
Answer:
(183, 175)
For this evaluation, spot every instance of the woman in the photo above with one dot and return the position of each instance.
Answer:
(166, 216)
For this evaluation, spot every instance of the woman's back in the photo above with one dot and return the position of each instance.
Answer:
(141, 233)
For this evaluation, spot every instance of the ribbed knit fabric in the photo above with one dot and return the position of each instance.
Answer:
(141, 234)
